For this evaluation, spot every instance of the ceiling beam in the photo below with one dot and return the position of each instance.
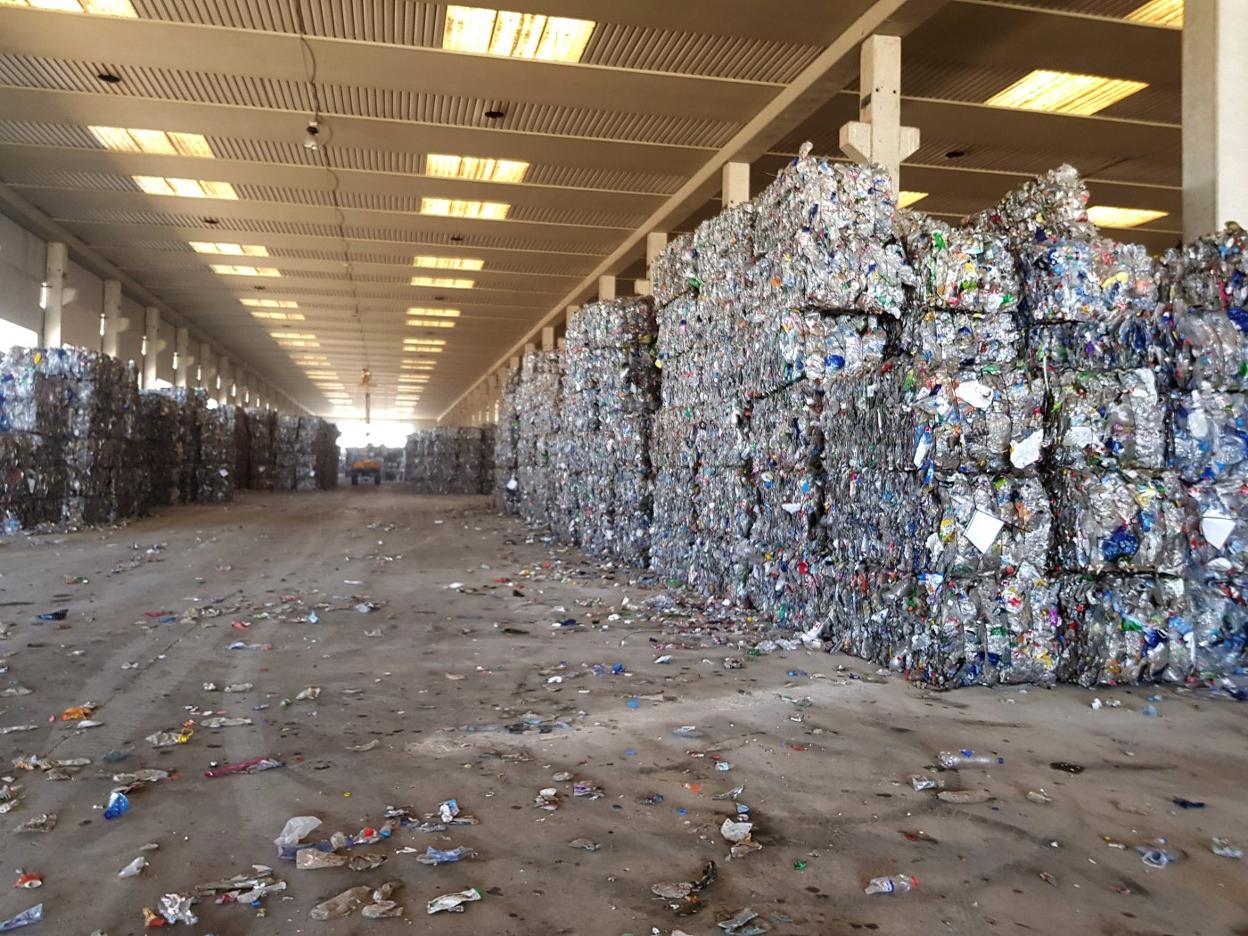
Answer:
(369, 133)
(834, 67)
(20, 158)
(188, 47)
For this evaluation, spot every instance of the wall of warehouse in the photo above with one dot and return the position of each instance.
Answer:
(23, 265)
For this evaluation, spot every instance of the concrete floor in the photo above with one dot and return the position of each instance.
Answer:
(826, 780)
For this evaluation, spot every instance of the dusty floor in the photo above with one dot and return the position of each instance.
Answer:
(434, 677)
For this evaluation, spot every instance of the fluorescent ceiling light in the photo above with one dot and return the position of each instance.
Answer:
(230, 269)
(464, 208)
(1159, 13)
(448, 263)
(270, 303)
(279, 316)
(185, 188)
(418, 365)
(475, 168)
(433, 313)
(1055, 92)
(423, 349)
(233, 250)
(434, 342)
(906, 199)
(1106, 216)
(156, 142)
(292, 334)
(431, 323)
(90, 7)
(323, 375)
(443, 282)
(516, 35)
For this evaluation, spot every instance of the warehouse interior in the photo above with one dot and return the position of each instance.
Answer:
(623, 468)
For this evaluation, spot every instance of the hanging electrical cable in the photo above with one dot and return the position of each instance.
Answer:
(317, 140)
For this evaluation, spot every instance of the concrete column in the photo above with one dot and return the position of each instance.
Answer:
(548, 339)
(877, 135)
(1215, 92)
(182, 357)
(735, 188)
(641, 287)
(606, 288)
(656, 243)
(204, 369)
(225, 376)
(151, 339)
(54, 280)
(530, 346)
(514, 364)
(114, 324)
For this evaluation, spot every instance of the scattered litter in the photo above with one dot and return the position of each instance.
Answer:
(454, 902)
(1225, 848)
(25, 918)
(896, 884)
(133, 868)
(585, 844)
(253, 766)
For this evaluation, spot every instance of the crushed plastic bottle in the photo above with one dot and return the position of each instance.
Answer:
(955, 760)
(896, 884)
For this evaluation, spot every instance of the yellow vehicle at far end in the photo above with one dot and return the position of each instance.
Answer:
(365, 466)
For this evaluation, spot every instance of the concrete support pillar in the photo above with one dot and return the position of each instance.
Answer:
(656, 243)
(54, 294)
(182, 358)
(225, 378)
(606, 288)
(641, 287)
(529, 347)
(548, 339)
(151, 346)
(735, 188)
(114, 324)
(204, 367)
(514, 364)
(877, 135)
(1215, 92)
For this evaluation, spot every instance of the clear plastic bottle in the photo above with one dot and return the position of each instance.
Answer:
(952, 760)
(897, 884)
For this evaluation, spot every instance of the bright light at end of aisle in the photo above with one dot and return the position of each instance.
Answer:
(121, 8)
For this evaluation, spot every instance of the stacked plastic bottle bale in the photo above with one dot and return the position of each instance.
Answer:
(506, 443)
(539, 405)
(936, 518)
(1205, 288)
(326, 454)
(610, 394)
(286, 451)
(217, 454)
(674, 455)
(446, 460)
(242, 448)
(703, 501)
(162, 442)
(69, 424)
(1095, 338)
(824, 295)
(262, 461)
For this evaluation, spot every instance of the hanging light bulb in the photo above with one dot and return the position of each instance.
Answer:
(143, 347)
(310, 141)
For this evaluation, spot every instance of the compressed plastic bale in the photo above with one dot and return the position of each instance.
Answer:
(790, 585)
(779, 346)
(1210, 348)
(1050, 207)
(987, 524)
(940, 339)
(1118, 520)
(1108, 419)
(1210, 434)
(1123, 629)
(1219, 620)
(262, 463)
(163, 447)
(960, 269)
(1216, 525)
(1088, 281)
(789, 505)
(679, 324)
(1209, 273)
(825, 234)
(1126, 344)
